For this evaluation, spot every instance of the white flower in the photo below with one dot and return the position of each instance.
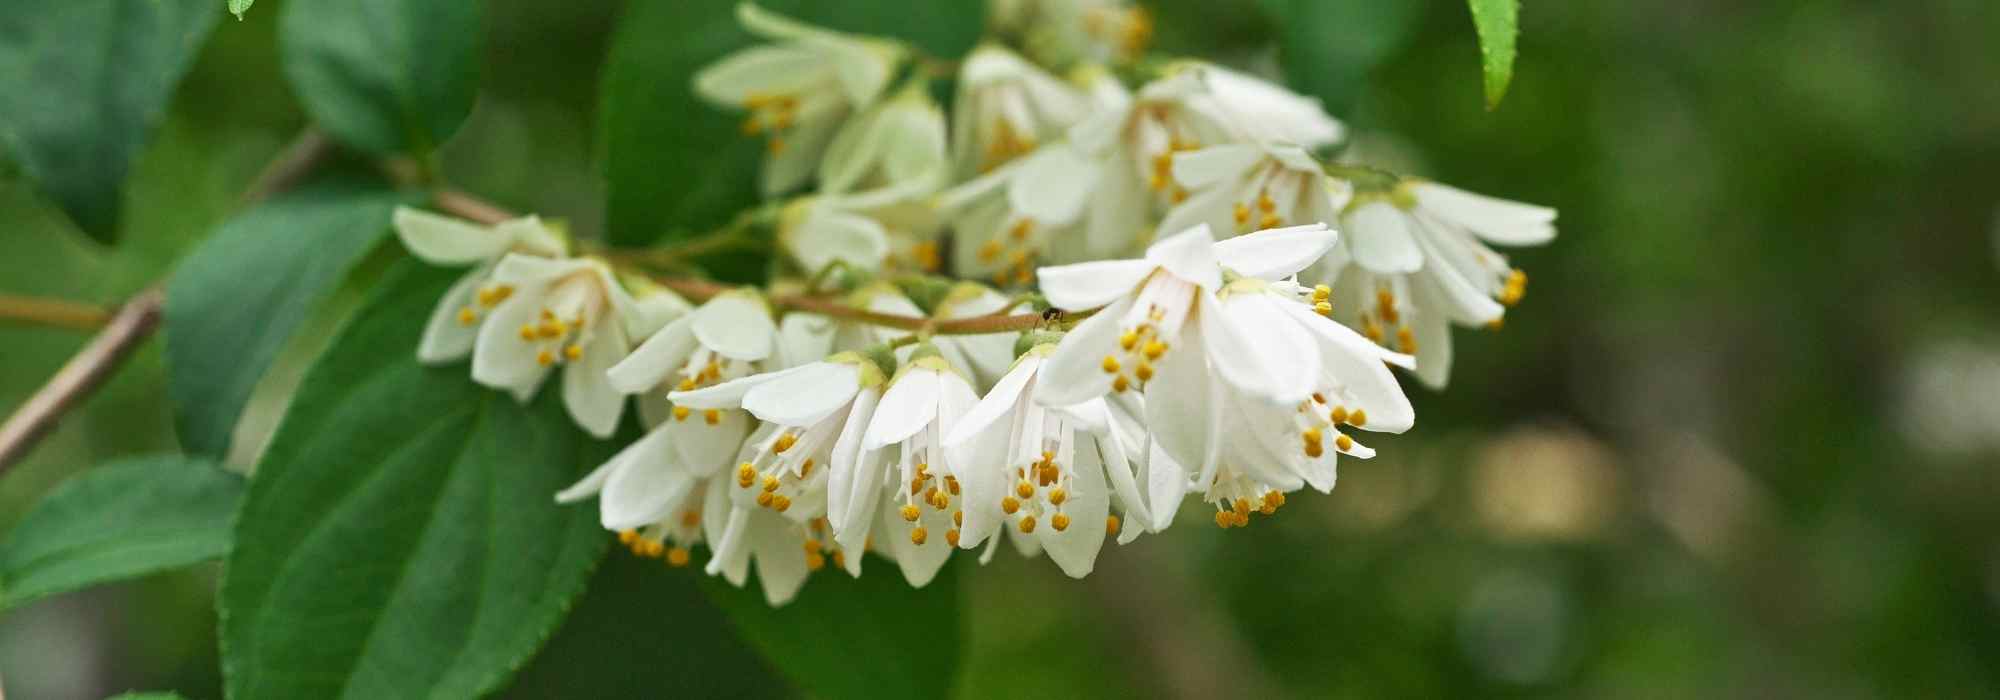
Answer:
(442, 240)
(1010, 219)
(872, 185)
(799, 88)
(905, 437)
(1005, 108)
(1269, 449)
(1047, 476)
(1058, 32)
(1416, 260)
(1163, 332)
(557, 312)
(1243, 187)
(813, 416)
(656, 502)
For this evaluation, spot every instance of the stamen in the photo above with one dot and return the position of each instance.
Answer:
(1111, 525)
(1027, 524)
(712, 416)
(910, 513)
(677, 557)
(1059, 521)
(917, 535)
(681, 413)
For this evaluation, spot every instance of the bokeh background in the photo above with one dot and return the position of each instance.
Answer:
(1741, 440)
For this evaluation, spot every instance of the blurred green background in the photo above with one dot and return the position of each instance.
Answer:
(1741, 439)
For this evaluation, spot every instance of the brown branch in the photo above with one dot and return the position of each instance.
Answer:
(136, 320)
(60, 313)
(80, 376)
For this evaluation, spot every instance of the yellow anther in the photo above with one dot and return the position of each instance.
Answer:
(1110, 364)
(1314, 450)
(1157, 182)
(989, 251)
(1128, 339)
(552, 329)
(951, 484)
(1321, 292)
(775, 146)
(917, 535)
(1269, 221)
(815, 561)
(745, 474)
(805, 467)
(681, 413)
(1144, 371)
(1021, 229)
(1179, 195)
(1059, 521)
(780, 502)
(677, 556)
(1319, 397)
(1154, 349)
(951, 537)
(1024, 489)
(910, 512)
(1242, 214)
(1358, 418)
(784, 442)
(1241, 506)
(627, 537)
(1323, 308)
(1265, 203)
(528, 331)
(1272, 499)
(690, 518)
(1057, 495)
(711, 416)
(573, 352)
(958, 518)
(1224, 519)
(1120, 384)
(1311, 435)
(1027, 524)
(467, 316)
(687, 384)
(764, 498)
(1111, 525)
(923, 470)
(770, 482)
(1406, 341)
(1496, 324)
(1240, 519)
(1337, 415)
(653, 548)
(1008, 505)
(545, 358)
(839, 559)
(1344, 442)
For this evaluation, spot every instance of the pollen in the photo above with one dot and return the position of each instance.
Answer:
(1154, 349)
(765, 498)
(1242, 214)
(951, 537)
(545, 358)
(1027, 524)
(951, 484)
(1120, 384)
(1269, 221)
(780, 502)
(627, 537)
(1009, 505)
(745, 475)
(1128, 340)
(528, 332)
(784, 442)
(1358, 418)
(1337, 415)
(1059, 521)
(1406, 341)
(815, 561)
(711, 416)
(1111, 525)
(770, 483)
(989, 251)
(805, 467)
(1224, 519)
(1110, 364)
(910, 512)
(467, 317)
(917, 535)
(681, 413)
(1024, 489)
(690, 518)
(1057, 495)
(1322, 308)
(573, 352)
(1144, 372)
(677, 557)
(1344, 442)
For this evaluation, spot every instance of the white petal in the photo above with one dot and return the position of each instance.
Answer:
(848, 457)
(1433, 349)
(1183, 408)
(1356, 365)
(445, 339)
(1118, 211)
(1052, 185)
(1497, 220)
(910, 404)
(590, 484)
(781, 559)
(1275, 253)
(920, 563)
(1090, 285)
(1461, 299)
(1215, 164)
(803, 339)
(1074, 372)
(792, 165)
(444, 240)
(1188, 255)
(1214, 207)
(765, 69)
(1166, 485)
(731, 551)
(737, 326)
(533, 270)
(500, 359)
(659, 356)
(1075, 549)
(646, 485)
(805, 396)
(704, 448)
(652, 312)
(729, 394)
(1255, 348)
(1379, 237)
(587, 392)
(829, 236)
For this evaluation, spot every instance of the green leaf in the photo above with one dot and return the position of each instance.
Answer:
(118, 521)
(1499, 23)
(287, 254)
(83, 83)
(645, 630)
(1329, 47)
(672, 161)
(847, 637)
(238, 7)
(385, 76)
(400, 538)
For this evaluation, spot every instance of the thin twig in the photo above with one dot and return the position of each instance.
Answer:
(290, 167)
(61, 313)
(80, 376)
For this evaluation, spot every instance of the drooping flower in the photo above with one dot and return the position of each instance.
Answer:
(557, 312)
(800, 88)
(1047, 477)
(871, 208)
(1009, 220)
(1416, 260)
(813, 417)
(903, 480)
(443, 240)
(1243, 187)
(1162, 331)
(1007, 107)
(1059, 32)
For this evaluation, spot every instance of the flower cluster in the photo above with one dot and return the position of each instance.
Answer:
(1231, 304)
